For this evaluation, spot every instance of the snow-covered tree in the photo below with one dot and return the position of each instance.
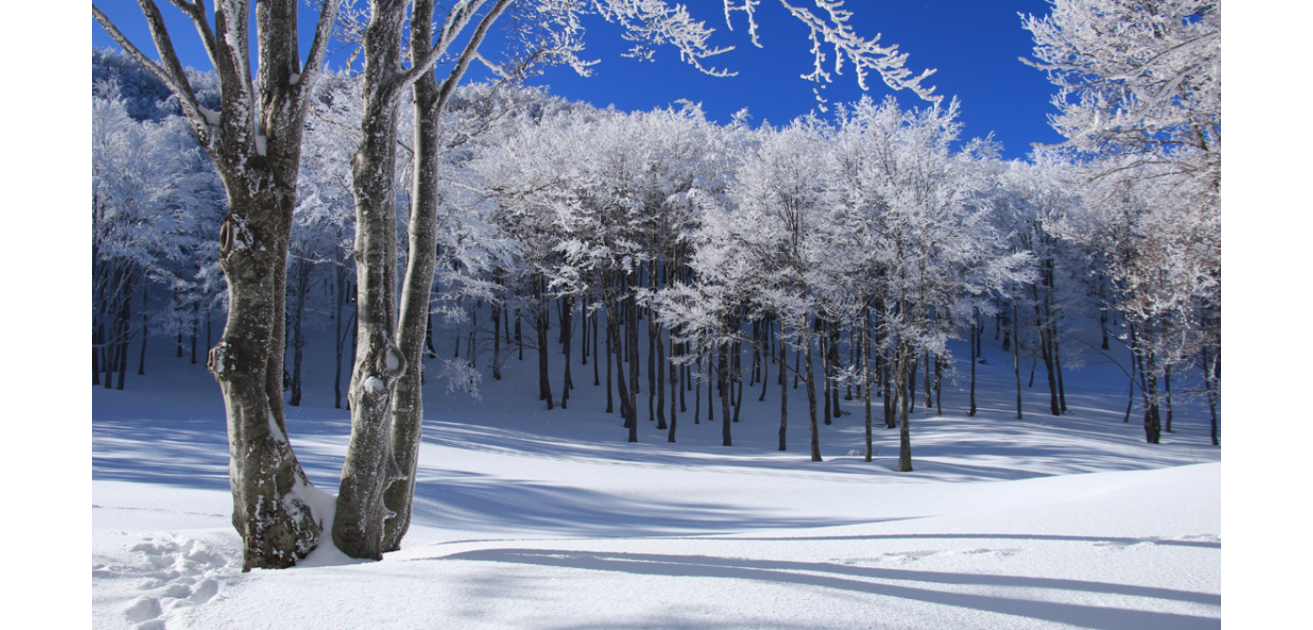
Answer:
(1140, 90)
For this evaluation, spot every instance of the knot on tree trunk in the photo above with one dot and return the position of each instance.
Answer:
(220, 360)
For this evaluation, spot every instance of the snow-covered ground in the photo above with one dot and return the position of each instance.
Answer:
(529, 518)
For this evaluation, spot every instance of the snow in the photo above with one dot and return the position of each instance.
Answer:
(211, 116)
(528, 518)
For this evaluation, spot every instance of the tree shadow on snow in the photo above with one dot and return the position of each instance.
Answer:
(478, 503)
(855, 579)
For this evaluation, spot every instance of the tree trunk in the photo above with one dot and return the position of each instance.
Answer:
(823, 340)
(904, 432)
(1016, 357)
(865, 357)
(723, 377)
(626, 407)
(975, 337)
(417, 288)
(1167, 385)
(784, 388)
(811, 406)
(567, 304)
(542, 318)
(370, 465)
(610, 315)
(659, 370)
(674, 386)
(269, 508)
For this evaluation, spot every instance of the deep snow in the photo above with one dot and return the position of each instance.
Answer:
(529, 518)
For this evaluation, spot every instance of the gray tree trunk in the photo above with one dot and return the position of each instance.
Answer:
(255, 143)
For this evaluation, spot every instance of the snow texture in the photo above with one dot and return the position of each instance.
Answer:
(528, 518)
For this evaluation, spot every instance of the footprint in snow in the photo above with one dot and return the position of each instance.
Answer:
(180, 573)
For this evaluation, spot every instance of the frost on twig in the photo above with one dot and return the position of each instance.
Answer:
(831, 29)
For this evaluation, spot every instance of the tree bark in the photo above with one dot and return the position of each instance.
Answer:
(811, 405)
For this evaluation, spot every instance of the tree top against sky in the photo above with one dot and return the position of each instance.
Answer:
(972, 46)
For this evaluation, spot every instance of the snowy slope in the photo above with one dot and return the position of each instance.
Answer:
(528, 518)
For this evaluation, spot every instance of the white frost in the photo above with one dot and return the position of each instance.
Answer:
(375, 385)
(211, 116)
(295, 79)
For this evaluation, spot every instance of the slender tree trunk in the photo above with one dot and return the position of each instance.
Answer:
(659, 370)
(697, 393)
(1212, 367)
(610, 315)
(1167, 384)
(975, 337)
(784, 388)
(674, 386)
(567, 304)
(542, 318)
(1016, 358)
(141, 360)
(417, 289)
(904, 429)
(768, 326)
(626, 407)
(929, 382)
(338, 340)
(865, 357)
(823, 340)
(811, 406)
(723, 376)
(596, 378)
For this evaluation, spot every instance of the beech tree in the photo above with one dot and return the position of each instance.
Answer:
(254, 142)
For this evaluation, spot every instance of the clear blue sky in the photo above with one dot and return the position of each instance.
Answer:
(973, 44)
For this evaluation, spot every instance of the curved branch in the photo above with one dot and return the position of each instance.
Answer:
(171, 73)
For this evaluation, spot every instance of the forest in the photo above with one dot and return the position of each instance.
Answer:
(681, 264)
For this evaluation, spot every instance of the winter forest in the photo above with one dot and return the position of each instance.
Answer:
(396, 238)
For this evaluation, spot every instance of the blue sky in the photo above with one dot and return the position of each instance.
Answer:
(973, 45)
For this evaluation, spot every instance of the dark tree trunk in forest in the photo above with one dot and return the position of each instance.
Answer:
(674, 386)
(659, 370)
(626, 408)
(697, 393)
(610, 315)
(784, 388)
(541, 319)
(496, 340)
(975, 338)
(904, 364)
(1167, 385)
(567, 304)
(811, 405)
(1016, 357)
(1212, 366)
(865, 357)
(723, 376)
(823, 340)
